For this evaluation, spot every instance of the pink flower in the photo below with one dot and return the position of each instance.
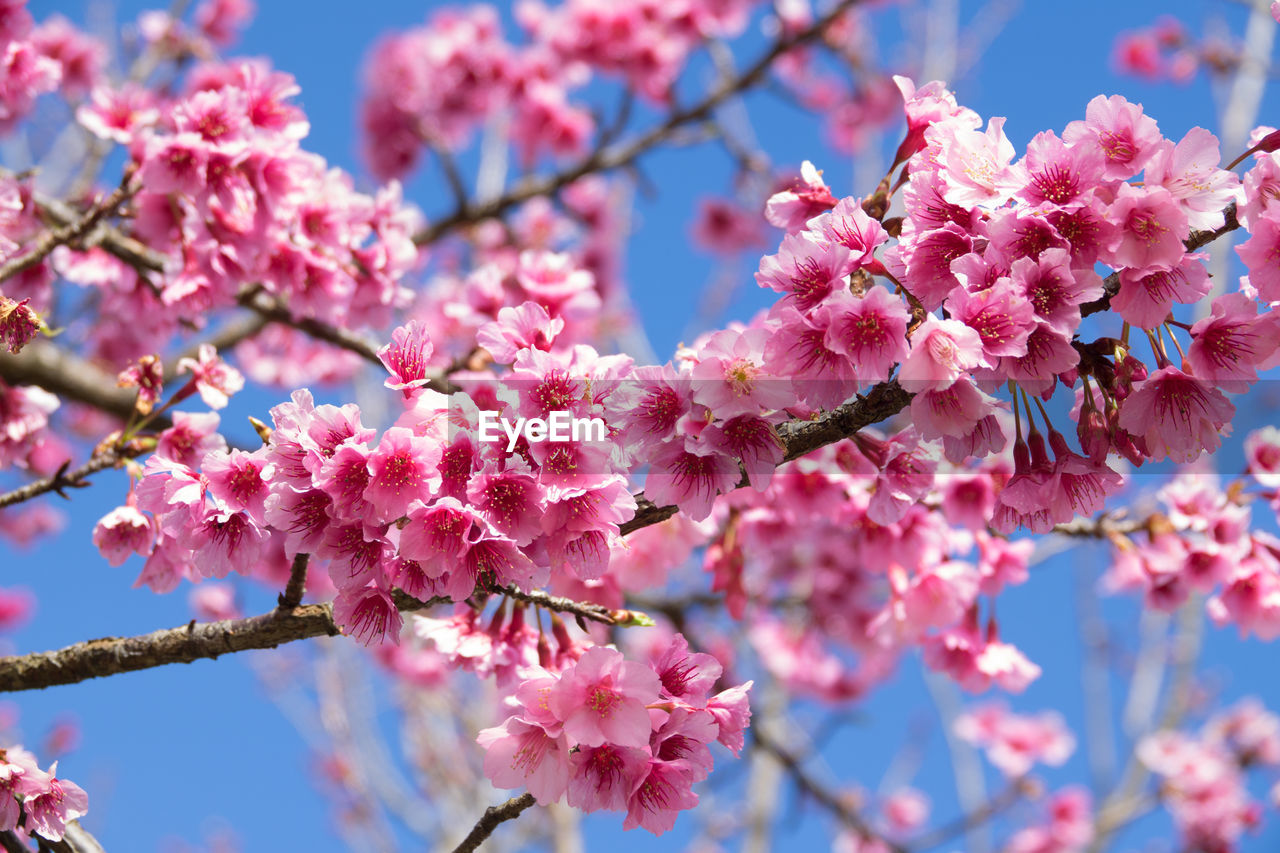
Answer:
(214, 378)
(174, 164)
(526, 327)
(797, 348)
(906, 809)
(955, 411)
(1049, 354)
(1228, 346)
(791, 209)
(1126, 137)
(602, 699)
(117, 114)
(1262, 453)
(192, 436)
(18, 324)
(928, 258)
(368, 615)
(520, 754)
(850, 226)
(729, 377)
(439, 536)
(510, 499)
(665, 790)
(1189, 171)
(124, 532)
(214, 601)
(1014, 743)
(1178, 415)
(402, 469)
(1261, 255)
(1151, 229)
(406, 358)
(941, 352)
(807, 268)
(930, 103)
(1000, 314)
(1054, 289)
(1059, 174)
(725, 227)
(685, 675)
(239, 480)
(49, 802)
(603, 777)
(975, 165)
(16, 606)
(870, 330)
(690, 479)
(147, 375)
(732, 711)
(1146, 297)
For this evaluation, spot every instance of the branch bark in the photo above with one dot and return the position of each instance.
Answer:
(188, 643)
(493, 817)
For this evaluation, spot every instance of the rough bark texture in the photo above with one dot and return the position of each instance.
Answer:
(192, 642)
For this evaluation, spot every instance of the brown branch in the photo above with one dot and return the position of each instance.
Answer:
(276, 312)
(493, 816)
(624, 154)
(819, 793)
(199, 640)
(70, 231)
(191, 642)
(297, 585)
(66, 374)
(75, 478)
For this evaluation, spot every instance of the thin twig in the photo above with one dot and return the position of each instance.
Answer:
(70, 232)
(493, 816)
(624, 154)
(74, 478)
(820, 793)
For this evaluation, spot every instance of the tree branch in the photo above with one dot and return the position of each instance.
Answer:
(66, 374)
(493, 816)
(820, 794)
(75, 478)
(800, 437)
(188, 643)
(623, 154)
(70, 230)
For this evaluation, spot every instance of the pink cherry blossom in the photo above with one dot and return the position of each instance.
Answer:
(602, 699)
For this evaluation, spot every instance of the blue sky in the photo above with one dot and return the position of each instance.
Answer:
(176, 752)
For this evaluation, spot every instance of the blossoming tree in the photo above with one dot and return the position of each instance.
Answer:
(965, 366)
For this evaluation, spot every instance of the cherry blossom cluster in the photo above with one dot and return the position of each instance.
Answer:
(37, 60)
(1203, 774)
(433, 85)
(617, 735)
(571, 271)
(36, 801)
(1204, 541)
(227, 192)
(869, 578)
(1014, 743)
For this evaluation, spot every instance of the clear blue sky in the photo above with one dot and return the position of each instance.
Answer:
(170, 753)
